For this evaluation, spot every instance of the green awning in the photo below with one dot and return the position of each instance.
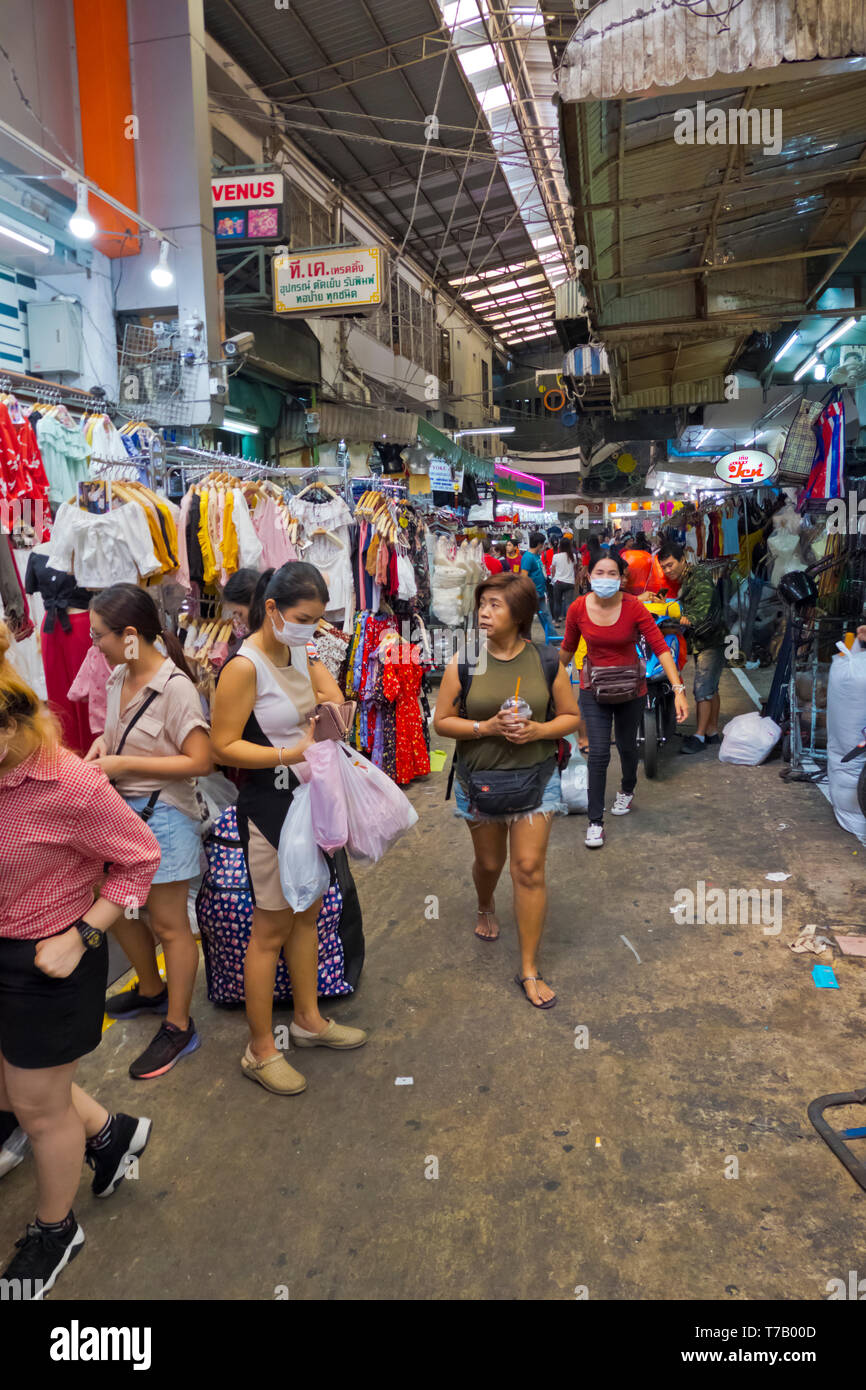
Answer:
(259, 403)
(455, 453)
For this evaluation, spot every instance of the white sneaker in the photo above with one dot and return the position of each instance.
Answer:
(13, 1151)
(594, 836)
(622, 805)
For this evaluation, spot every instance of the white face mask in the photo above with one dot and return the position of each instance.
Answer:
(3, 753)
(605, 588)
(294, 634)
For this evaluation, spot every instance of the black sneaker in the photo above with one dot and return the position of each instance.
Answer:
(712, 738)
(692, 745)
(41, 1256)
(128, 1139)
(169, 1045)
(130, 1003)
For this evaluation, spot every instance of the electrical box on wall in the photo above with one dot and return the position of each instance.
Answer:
(54, 331)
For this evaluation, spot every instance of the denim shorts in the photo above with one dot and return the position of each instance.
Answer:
(551, 804)
(708, 672)
(179, 841)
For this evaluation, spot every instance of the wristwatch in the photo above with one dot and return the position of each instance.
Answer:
(91, 936)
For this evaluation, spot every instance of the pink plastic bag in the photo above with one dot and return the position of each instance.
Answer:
(377, 811)
(327, 798)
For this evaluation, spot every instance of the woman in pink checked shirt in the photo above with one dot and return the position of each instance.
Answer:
(60, 821)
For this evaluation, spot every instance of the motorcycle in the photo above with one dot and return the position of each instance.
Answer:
(659, 716)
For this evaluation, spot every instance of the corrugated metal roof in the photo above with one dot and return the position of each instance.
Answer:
(624, 47)
(336, 72)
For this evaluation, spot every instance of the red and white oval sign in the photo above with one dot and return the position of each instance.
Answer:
(745, 466)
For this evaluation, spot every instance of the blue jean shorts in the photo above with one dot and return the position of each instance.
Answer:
(552, 804)
(708, 672)
(179, 841)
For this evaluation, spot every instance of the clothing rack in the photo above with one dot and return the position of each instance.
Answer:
(35, 389)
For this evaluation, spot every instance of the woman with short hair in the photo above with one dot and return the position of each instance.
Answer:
(493, 743)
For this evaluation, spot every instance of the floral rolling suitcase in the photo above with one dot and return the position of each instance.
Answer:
(224, 909)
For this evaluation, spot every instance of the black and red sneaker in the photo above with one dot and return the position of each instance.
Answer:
(170, 1044)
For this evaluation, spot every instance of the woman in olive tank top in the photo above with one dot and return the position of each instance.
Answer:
(489, 740)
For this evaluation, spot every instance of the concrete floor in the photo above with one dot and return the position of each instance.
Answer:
(558, 1167)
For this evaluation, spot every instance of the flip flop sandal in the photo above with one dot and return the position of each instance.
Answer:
(547, 1004)
(488, 915)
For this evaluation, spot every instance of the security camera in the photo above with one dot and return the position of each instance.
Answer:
(240, 345)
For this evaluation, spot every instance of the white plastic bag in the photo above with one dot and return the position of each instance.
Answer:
(846, 717)
(304, 872)
(376, 809)
(748, 739)
(575, 781)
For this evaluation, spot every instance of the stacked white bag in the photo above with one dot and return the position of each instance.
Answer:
(846, 718)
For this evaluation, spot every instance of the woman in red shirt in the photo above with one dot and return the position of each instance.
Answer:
(60, 821)
(492, 563)
(612, 622)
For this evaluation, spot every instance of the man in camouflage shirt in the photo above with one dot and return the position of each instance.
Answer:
(704, 622)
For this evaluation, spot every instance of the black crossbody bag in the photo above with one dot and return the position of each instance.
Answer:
(507, 791)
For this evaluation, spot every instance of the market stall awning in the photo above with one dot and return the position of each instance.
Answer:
(626, 47)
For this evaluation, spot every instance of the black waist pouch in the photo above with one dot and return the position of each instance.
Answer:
(507, 792)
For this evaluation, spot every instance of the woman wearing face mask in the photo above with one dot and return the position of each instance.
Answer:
(262, 723)
(612, 622)
(237, 597)
(155, 745)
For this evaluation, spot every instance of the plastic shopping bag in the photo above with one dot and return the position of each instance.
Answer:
(575, 780)
(748, 739)
(377, 811)
(846, 718)
(327, 798)
(304, 872)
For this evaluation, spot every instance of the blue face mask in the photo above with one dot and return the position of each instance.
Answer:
(605, 588)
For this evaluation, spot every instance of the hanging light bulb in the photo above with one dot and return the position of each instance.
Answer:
(161, 275)
(81, 224)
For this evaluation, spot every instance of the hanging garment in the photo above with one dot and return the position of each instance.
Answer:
(827, 476)
(63, 653)
(22, 475)
(401, 682)
(90, 686)
(249, 545)
(332, 559)
(730, 535)
(64, 453)
(104, 548)
(59, 591)
(270, 528)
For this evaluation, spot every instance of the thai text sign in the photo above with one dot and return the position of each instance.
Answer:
(346, 277)
(744, 466)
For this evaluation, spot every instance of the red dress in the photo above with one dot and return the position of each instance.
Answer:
(401, 682)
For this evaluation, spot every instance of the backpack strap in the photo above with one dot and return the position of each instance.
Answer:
(550, 664)
(465, 673)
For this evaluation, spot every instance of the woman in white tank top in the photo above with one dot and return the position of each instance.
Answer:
(261, 723)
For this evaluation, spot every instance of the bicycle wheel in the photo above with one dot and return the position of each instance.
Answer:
(650, 741)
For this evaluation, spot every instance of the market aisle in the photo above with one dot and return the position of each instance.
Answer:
(712, 1046)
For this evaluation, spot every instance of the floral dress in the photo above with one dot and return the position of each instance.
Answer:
(401, 682)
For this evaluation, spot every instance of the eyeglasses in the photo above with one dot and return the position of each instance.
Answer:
(97, 636)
